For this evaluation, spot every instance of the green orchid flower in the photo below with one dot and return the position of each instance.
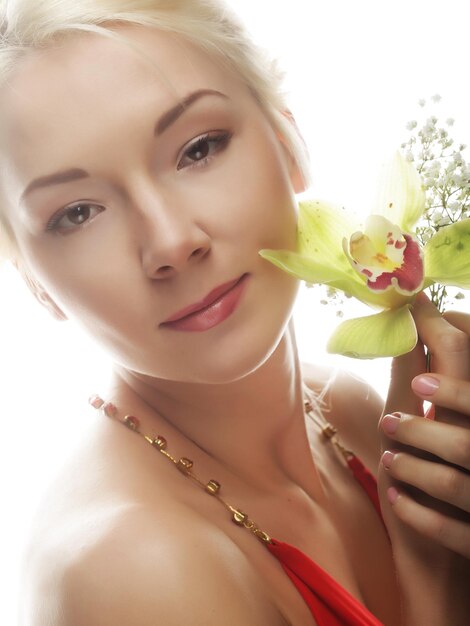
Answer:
(383, 264)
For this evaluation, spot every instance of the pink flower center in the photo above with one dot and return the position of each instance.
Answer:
(387, 257)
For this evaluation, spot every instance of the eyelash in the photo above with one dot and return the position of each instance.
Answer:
(220, 141)
(54, 223)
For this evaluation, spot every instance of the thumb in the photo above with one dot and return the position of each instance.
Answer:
(400, 396)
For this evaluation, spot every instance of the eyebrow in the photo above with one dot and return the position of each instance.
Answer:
(165, 121)
(58, 178)
(170, 117)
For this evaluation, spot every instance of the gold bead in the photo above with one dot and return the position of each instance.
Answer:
(262, 536)
(96, 402)
(240, 518)
(110, 409)
(213, 487)
(184, 465)
(131, 422)
(329, 431)
(159, 442)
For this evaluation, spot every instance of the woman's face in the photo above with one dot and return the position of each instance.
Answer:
(129, 207)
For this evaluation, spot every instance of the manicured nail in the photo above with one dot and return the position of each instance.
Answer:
(390, 423)
(387, 458)
(425, 385)
(392, 494)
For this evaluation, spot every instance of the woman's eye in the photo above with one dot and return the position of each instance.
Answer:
(202, 149)
(73, 217)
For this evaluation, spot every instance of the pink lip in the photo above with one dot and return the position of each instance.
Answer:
(209, 311)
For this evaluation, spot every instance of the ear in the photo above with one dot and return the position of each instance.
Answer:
(39, 292)
(299, 184)
(298, 181)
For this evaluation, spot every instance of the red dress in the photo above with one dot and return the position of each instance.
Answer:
(329, 603)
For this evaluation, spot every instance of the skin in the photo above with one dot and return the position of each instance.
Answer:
(430, 530)
(122, 533)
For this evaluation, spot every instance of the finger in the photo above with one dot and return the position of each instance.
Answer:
(400, 396)
(447, 531)
(446, 392)
(458, 319)
(448, 344)
(443, 482)
(446, 441)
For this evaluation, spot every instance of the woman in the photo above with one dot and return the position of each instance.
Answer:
(148, 157)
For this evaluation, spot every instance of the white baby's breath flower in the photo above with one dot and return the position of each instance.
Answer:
(446, 178)
(428, 130)
(454, 207)
(433, 167)
(426, 234)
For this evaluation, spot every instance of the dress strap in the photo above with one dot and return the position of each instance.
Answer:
(329, 603)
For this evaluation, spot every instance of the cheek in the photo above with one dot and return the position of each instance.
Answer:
(88, 283)
(265, 204)
(248, 199)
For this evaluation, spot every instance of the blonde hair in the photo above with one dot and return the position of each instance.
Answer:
(28, 25)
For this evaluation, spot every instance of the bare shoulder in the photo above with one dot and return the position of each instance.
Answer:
(352, 405)
(125, 563)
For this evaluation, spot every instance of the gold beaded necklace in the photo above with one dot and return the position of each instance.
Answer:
(323, 595)
(213, 487)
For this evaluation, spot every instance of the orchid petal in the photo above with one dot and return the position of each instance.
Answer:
(385, 334)
(321, 228)
(319, 257)
(447, 255)
(401, 197)
(303, 267)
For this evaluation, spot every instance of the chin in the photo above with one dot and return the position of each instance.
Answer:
(229, 352)
(243, 349)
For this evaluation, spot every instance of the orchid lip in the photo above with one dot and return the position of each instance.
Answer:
(214, 295)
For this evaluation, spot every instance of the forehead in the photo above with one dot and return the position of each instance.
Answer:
(77, 89)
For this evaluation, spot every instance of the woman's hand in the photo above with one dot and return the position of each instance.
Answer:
(424, 479)
(443, 472)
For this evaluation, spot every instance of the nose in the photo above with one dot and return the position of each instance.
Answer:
(171, 242)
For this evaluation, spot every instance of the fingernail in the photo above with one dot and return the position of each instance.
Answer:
(425, 385)
(390, 423)
(387, 458)
(392, 494)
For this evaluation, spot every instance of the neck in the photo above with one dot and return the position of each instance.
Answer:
(250, 427)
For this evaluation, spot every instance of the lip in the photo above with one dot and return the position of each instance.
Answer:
(209, 311)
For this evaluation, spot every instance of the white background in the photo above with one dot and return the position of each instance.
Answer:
(356, 71)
